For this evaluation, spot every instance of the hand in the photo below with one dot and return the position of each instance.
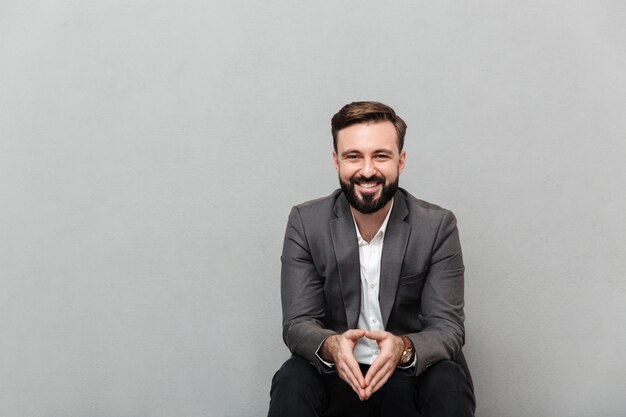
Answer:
(340, 350)
(391, 348)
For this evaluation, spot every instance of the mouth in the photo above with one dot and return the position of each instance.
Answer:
(368, 185)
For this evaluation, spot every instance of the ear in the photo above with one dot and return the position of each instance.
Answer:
(335, 160)
(402, 160)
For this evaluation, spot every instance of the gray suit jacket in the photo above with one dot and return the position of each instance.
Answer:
(421, 279)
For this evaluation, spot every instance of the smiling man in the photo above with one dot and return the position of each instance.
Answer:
(372, 289)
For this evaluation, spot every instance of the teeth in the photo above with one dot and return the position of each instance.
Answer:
(368, 185)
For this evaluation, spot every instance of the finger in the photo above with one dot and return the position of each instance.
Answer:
(347, 377)
(355, 370)
(380, 371)
(374, 368)
(384, 377)
(351, 380)
(380, 377)
(360, 392)
(348, 359)
(351, 368)
(377, 335)
(354, 334)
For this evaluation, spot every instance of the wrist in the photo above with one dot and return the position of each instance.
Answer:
(408, 351)
(328, 348)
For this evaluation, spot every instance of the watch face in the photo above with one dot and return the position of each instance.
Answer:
(406, 355)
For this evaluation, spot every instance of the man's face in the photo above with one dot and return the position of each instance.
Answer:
(369, 164)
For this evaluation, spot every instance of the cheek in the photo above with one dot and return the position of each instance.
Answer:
(390, 177)
(390, 174)
(346, 173)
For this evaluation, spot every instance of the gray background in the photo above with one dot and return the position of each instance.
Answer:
(151, 150)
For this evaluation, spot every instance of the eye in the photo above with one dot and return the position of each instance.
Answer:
(352, 157)
(382, 157)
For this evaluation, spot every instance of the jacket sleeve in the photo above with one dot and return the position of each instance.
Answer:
(302, 294)
(443, 334)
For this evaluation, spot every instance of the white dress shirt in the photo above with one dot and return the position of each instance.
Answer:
(370, 318)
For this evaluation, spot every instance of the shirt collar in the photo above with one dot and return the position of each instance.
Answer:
(381, 231)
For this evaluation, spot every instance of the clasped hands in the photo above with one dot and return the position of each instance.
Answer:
(340, 350)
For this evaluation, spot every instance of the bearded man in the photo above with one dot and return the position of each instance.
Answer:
(372, 289)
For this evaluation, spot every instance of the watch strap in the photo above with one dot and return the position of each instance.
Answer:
(407, 354)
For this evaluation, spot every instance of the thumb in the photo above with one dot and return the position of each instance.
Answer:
(354, 334)
(375, 335)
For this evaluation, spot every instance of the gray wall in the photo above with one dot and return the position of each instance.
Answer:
(150, 152)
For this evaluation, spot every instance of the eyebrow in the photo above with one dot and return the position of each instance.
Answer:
(377, 151)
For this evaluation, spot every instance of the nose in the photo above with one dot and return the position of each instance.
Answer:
(368, 169)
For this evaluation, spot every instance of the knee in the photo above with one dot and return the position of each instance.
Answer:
(445, 389)
(446, 376)
(296, 375)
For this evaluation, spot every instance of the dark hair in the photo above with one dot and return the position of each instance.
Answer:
(367, 112)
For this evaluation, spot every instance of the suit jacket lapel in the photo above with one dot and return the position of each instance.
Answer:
(346, 250)
(394, 248)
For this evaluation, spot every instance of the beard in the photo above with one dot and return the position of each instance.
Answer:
(367, 203)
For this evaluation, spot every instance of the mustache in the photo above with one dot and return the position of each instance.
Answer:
(375, 178)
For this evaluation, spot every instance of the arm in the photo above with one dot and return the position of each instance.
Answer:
(302, 294)
(304, 308)
(442, 299)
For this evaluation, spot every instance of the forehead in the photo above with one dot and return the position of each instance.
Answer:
(366, 137)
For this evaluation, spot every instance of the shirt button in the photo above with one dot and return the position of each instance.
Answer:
(376, 352)
(374, 320)
(372, 285)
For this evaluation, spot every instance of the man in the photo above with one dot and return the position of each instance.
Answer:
(372, 289)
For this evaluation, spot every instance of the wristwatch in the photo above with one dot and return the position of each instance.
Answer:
(407, 354)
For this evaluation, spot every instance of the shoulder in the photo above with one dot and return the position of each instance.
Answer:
(312, 219)
(320, 208)
(322, 203)
(422, 212)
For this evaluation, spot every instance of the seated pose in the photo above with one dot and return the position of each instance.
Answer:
(372, 289)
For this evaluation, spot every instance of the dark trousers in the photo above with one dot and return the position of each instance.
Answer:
(444, 390)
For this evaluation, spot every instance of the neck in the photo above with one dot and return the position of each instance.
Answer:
(370, 223)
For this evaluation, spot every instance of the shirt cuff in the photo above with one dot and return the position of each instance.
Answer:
(329, 365)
